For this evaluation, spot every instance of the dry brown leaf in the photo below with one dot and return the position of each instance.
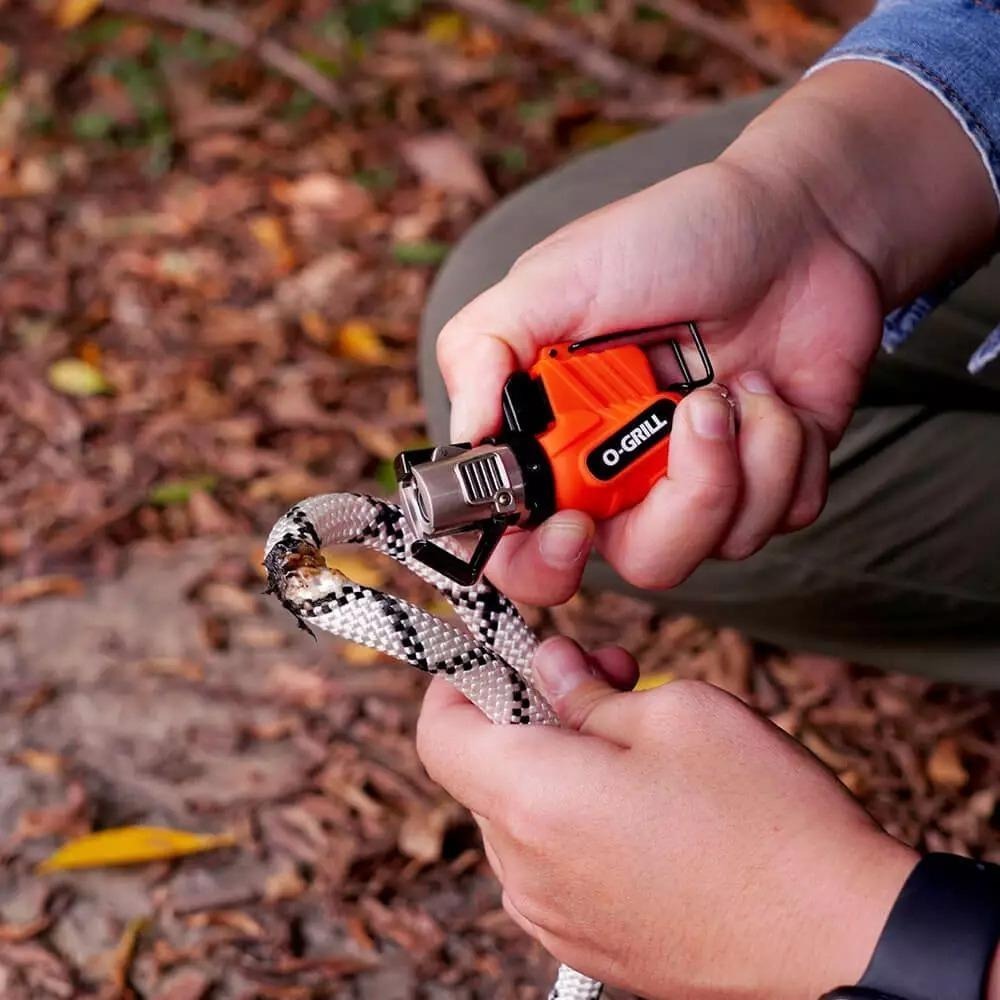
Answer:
(421, 834)
(34, 587)
(27, 930)
(286, 883)
(444, 160)
(335, 197)
(788, 31)
(269, 231)
(315, 327)
(945, 767)
(295, 685)
(39, 761)
(68, 817)
(183, 984)
(171, 666)
(121, 958)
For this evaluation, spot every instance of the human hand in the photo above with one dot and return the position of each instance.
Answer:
(676, 845)
(787, 251)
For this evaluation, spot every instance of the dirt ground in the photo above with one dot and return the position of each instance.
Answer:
(210, 283)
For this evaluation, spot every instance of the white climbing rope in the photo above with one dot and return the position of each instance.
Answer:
(489, 661)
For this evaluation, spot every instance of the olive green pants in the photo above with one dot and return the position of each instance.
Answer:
(902, 570)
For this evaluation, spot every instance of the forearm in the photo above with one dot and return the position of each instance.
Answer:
(886, 165)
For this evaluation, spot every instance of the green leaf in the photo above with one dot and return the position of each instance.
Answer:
(92, 125)
(40, 121)
(175, 491)
(645, 13)
(585, 7)
(385, 476)
(298, 105)
(327, 66)
(367, 17)
(99, 31)
(421, 252)
(514, 158)
(76, 377)
(377, 179)
(535, 111)
(199, 48)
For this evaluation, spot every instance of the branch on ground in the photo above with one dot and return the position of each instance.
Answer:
(726, 35)
(227, 28)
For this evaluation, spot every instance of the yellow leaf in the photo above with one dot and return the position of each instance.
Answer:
(359, 341)
(75, 377)
(130, 845)
(124, 952)
(656, 679)
(315, 327)
(438, 607)
(39, 761)
(945, 767)
(359, 567)
(601, 133)
(70, 13)
(269, 232)
(360, 656)
(445, 29)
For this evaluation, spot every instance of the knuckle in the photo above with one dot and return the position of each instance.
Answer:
(739, 548)
(807, 509)
(688, 700)
(521, 818)
(576, 711)
(649, 575)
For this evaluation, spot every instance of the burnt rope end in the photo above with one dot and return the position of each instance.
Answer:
(288, 559)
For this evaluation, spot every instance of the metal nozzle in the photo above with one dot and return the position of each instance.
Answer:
(457, 487)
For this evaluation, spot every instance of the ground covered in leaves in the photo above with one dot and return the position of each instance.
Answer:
(212, 263)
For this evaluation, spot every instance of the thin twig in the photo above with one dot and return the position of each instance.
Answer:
(614, 72)
(226, 27)
(726, 35)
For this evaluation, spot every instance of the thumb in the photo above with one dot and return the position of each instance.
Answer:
(579, 690)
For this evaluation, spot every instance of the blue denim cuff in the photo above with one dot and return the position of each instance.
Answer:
(952, 49)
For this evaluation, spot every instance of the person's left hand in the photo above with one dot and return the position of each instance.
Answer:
(675, 844)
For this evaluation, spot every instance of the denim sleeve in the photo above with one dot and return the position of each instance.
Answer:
(952, 49)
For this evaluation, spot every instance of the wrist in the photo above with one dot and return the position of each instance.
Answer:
(888, 168)
(850, 904)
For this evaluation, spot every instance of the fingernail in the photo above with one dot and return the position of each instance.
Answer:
(564, 541)
(758, 383)
(711, 415)
(560, 666)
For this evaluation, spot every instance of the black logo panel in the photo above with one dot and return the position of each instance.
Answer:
(616, 453)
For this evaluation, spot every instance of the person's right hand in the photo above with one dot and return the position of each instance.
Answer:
(788, 292)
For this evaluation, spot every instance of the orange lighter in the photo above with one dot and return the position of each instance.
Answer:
(584, 428)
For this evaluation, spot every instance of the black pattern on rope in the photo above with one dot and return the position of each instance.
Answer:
(386, 525)
(405, 630)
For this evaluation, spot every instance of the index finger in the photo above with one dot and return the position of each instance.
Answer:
(494, 335)
(491, 768)
(459, 748)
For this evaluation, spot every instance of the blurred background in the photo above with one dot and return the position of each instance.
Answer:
(218, 223)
